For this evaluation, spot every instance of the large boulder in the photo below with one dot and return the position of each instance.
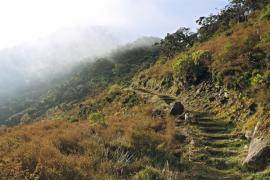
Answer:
(177, 108)
(258, 155)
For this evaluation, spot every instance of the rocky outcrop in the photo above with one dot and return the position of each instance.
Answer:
(258, 154)
(259, 151)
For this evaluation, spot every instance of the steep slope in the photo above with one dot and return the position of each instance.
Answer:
(134, 125)
(85, 79)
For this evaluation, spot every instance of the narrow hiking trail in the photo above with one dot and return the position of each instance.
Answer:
(216, 152)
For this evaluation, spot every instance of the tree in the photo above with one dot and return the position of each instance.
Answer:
(178, 41)
(209, 25)
(236, 11)
(254, 4)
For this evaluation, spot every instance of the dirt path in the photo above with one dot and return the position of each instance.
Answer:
(217, 151)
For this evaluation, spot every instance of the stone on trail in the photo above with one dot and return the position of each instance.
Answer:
(177, 108)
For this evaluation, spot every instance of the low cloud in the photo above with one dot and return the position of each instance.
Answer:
(49, 57)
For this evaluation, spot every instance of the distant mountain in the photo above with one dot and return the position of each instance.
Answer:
(42, 60)
(33, 87)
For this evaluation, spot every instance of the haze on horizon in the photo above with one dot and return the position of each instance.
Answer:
(43, 39)
(29, 20)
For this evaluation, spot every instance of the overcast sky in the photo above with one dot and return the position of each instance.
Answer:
(28, 20)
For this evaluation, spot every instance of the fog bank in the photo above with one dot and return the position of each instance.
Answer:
(42, 60)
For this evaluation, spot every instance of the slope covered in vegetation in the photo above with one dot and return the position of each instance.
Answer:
(121, 117)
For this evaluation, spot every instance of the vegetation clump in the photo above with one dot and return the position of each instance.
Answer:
(179, 41)
(265, 14)
(97, 117)
(149, 173)
(191, 68)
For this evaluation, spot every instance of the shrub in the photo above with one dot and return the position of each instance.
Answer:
(251, 41)
(97, 117)
(114, 88)
(256, 58)
(265, 14)
(72, 119)
(257, 80)
(217, 77)
(227, 47)
(201, 55)
(232, 78)
(265, 37)
(130, 100)
(177, 42)
(244, 80)
(149, 173)
(191, 68)
(28, 157)
(113, 92)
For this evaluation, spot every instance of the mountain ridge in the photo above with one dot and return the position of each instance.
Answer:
(193, 106)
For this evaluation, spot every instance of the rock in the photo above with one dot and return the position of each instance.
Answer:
(192, 142)
(252, 109)
(259, 151)
(226, 95)
(221, 92)
(258, 154)
(180, 118)
(198, 91)
(189, 117)
(177, 92)
(248, 134)
(177, 108)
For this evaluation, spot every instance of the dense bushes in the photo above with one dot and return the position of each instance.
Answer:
(236, 11)
(265, 14)
(191, 68)
(256, 59)
(265, 37)
(257, 80)
(242, 64)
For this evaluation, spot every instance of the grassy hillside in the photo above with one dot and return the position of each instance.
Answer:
(114, 119)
